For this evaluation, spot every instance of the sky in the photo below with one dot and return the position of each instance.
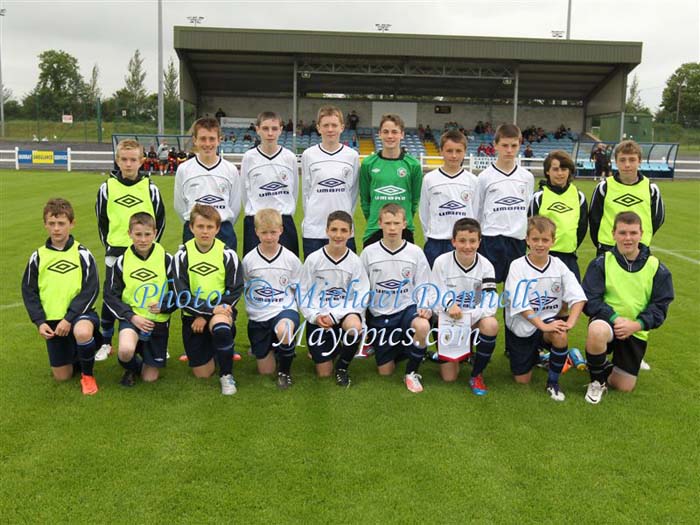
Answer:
(107, 32)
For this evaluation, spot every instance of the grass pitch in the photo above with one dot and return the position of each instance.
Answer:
(177, 451)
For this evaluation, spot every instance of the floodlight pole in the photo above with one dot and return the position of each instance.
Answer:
(568, 22)
(161, 110)
(182, 117)
(515, 94)
(294, 109)
(2, 86)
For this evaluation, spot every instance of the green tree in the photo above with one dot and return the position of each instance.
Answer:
(171, 94)
(634, 101)
(60, 88)
(135, 88)
(684, 83)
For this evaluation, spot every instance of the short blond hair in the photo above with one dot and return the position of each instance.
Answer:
(129, 144)
(267, 218)
(329, 111)
(628, 147)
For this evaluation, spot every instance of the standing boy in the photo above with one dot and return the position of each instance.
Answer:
(469, 278)
(389, 175)
(537, 287)
(332, 284)
(628, 190)
(400, 327)
(271, 273)
(59, 288)
(504, 191)
(208, 272)
(270, 180)
(208, 179)
(329, 180)
(565, 205)
(126, 191)
(628, 292)
(447, 195)
(133, 288)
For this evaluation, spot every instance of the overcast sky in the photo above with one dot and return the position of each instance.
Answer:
(107, 32)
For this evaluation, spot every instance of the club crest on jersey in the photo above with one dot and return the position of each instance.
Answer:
(284, 280)
(466, 196)
(390, 191)
(346, 172)
(556, 287)
(406, 273)
(401, 172)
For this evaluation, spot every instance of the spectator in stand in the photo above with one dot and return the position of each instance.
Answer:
(353, 120)
(251, 127)
(289, 126)
(479, 128)
(429, 133)
(421, 132)
(220, 113)
(528, 154)
(354, 141)
(163, 156)
(481, 150)
(490, 150)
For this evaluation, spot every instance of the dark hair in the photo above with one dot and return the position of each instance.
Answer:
(455, 136)
(339, 215)
(392, 117)
(268, 115)
(506, 131)
(58, 206)
(627, 217)
(565, 161)
(392, 208)
(208, 123)
(206, 212)
(142, 218)
(466, 225)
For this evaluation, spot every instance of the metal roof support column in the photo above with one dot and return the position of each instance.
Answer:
(294, 109)
(515, 95)
(623, 103)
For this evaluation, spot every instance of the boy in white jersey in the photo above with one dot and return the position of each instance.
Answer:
(447, 194)
(208, 283)
(270, 180)
(397, 327)
(332, 284)
(271, 273)
(329, 180)
(208, 179)
(504, 191)
(537, 286)
(470, 277)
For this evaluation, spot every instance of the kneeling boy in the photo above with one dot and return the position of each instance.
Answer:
(140, 274)
(537, 286)
(59, 288)
(271, 273)
(207, 272)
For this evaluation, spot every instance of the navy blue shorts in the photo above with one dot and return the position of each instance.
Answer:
(523, 352)
(501, 251)
(154, 351)
(434, 248)
(64, 350)
(226, 234)
(262, 334)
(391, 341)
(199, 348)
(325, 343)
(288, 239)
(627, 354)
(311, 245)
(571, 262)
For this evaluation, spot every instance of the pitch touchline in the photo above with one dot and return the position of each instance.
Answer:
(675, 254)
(7, 306)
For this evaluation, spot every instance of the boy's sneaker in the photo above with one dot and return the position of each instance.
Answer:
(478, 386)
(128, 379)
(228, 385)
(284, 381)
(342, 378)
(644, 366)
(595, 391)
(183, 358)
(413, 383)
(88, 384)
(555, 392)
(364, 352)
(103, 352)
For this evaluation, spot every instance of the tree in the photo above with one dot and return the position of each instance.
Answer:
(93, 91)
(60, 88)
(684, 83)
(634, 101)
(170, 76)
(135, 88)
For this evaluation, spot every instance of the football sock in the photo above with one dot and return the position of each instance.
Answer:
(106, 325)
(484, 350)
(222, 335)
(597, 365)
(86, 353)
(415, 358)
(134, 364)
(557, 358)
(284, 358)
(347, 352)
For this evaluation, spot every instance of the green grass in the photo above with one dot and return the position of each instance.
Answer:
(178, 452)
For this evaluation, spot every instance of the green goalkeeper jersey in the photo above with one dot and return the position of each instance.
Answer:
(383, 181)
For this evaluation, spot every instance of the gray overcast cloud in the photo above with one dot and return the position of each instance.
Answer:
(108, 32)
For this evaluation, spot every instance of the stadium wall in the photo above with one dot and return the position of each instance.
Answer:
(548, 117)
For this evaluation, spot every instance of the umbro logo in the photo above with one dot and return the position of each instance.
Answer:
(209, 200)
(203, 268)
(62, 266)
(628, 200)
(128, 201)
(509, 201)
(143, 275)
(542, 301)
(273, 186)
(390, 191)
(331, 183)
(390, 284)
(559, 207)
(451, 205)
(268, 292)
(335, 292)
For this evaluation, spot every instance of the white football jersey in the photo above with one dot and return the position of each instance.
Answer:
(329, 182)
(395, 276)
(444, 199)
(473, 287)
(543, 290)
(332, 287)
(503, 201)
(218, 186)
(270, 182)
(270, 284)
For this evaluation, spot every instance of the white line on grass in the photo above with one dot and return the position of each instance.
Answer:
(675, 254)
(8, 306)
